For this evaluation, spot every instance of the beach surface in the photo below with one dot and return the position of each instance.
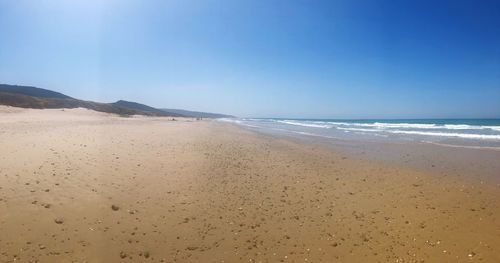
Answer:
(82, 186)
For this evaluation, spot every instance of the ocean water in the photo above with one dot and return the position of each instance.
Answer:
(456, 132)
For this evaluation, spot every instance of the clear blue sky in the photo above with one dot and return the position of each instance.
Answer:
(269, 58)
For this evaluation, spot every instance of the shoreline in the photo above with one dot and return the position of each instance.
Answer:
(431, 157)
(84, 186)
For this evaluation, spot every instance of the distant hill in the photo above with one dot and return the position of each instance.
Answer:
(23, 101)
(37, 98)
(198, 114)
(32, 91)
(145, 108)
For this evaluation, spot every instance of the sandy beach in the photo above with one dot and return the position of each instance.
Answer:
(82, 186)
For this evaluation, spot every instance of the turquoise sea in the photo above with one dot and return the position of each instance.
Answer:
(480, 132)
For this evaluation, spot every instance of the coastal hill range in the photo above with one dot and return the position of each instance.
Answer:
(38, 98)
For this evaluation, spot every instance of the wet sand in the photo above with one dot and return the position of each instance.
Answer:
(82, 186)
(469, 162)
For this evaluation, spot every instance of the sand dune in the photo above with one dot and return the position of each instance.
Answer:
(82, 186)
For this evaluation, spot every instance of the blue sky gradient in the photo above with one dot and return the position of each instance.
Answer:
(277, 58)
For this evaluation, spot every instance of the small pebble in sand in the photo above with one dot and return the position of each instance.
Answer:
(115, 207)
(59, 220)
(123, 254)
(132, 211)
(41, 247)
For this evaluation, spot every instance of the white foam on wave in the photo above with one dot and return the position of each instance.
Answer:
(358, 129)
(305, 124)
(445, 134)
(229, 120)
(403, 125)
(382, 125)
(385, 125)
(469, 127)
(442, 130)
(236, 121)
(462, 127)
(495, 128)
(442, 134)
(315, 135)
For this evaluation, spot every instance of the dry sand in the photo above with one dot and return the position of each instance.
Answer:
(81, 186)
